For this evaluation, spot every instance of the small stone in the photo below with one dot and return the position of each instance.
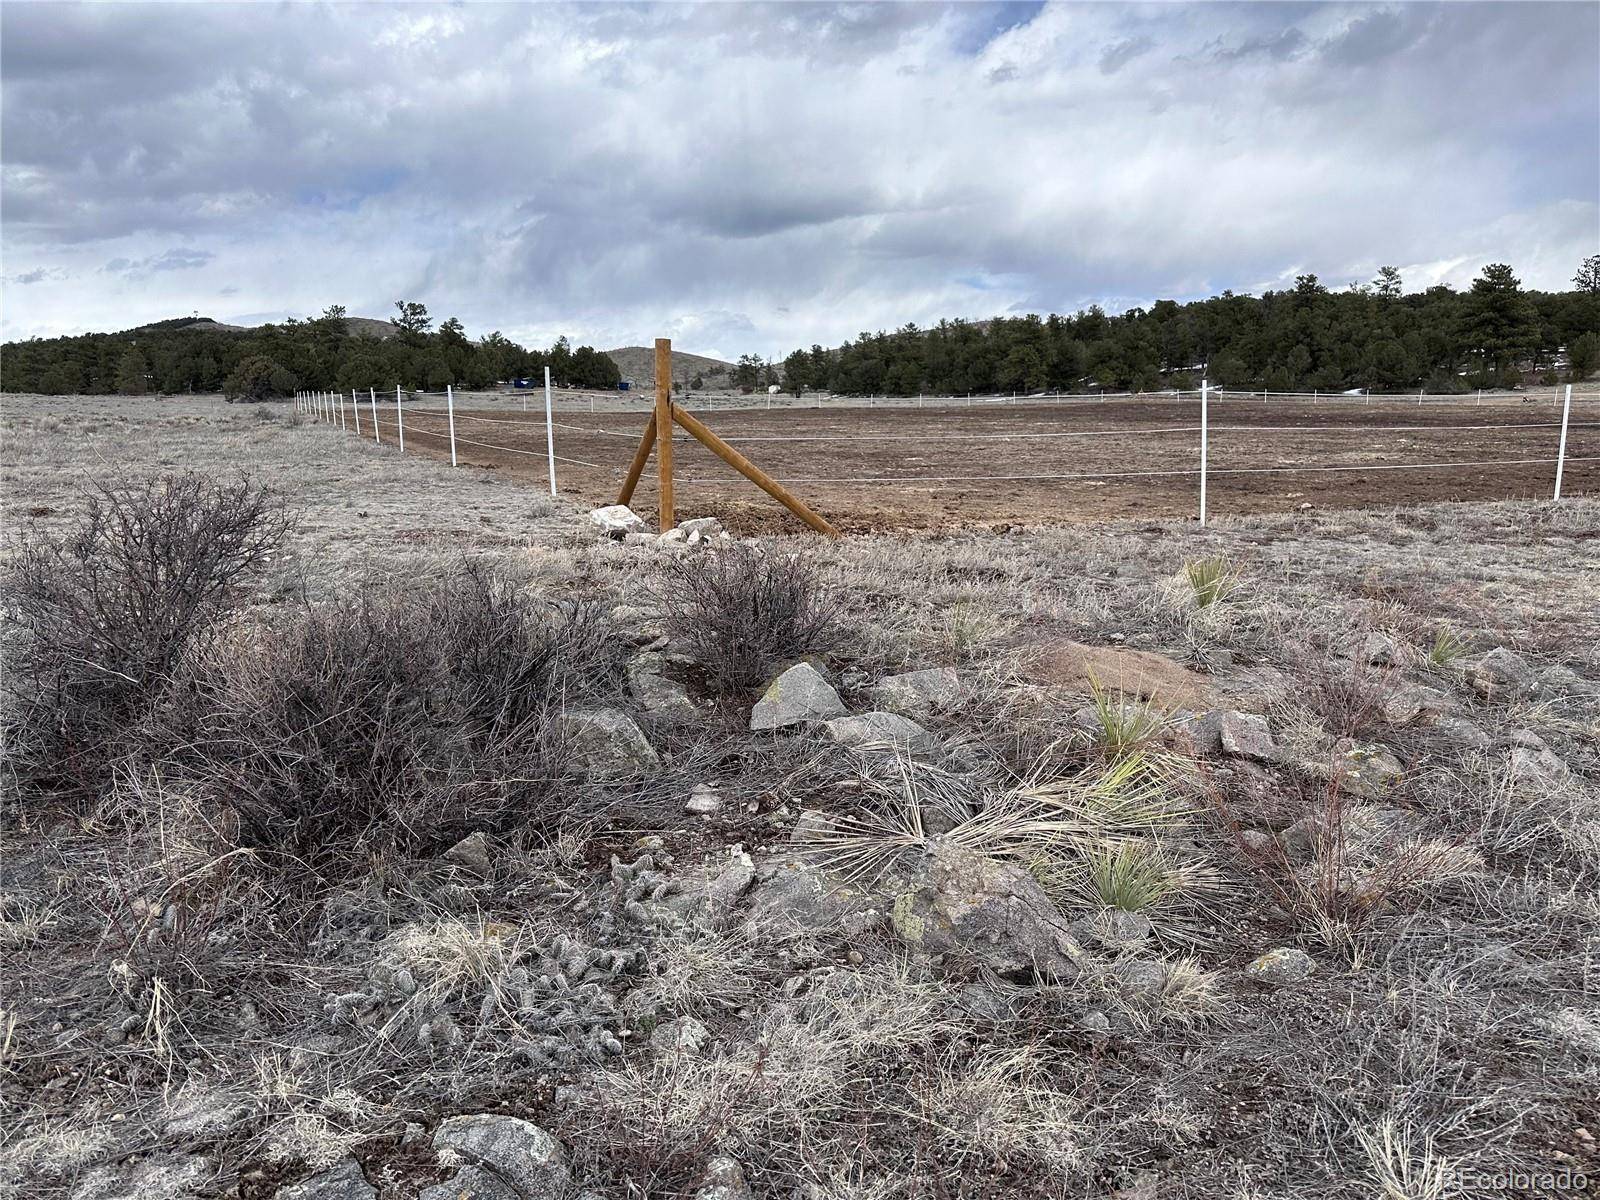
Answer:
(795, 697)
(471, 853)
(1245, 735)
(918, 694)
(1370, 772)
(881, 729)
(703, 801)
(618, 520)
(705, 527)
(724, 1180)
(1281, 966)
(684, 1036)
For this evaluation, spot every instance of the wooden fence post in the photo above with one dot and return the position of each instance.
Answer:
(663, 426)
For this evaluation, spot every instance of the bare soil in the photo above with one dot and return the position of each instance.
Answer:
(902, 468)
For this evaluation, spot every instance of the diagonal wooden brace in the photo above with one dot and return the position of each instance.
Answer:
(640, 457)
(750, 471)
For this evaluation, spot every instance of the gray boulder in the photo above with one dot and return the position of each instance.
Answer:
(513, 1151)
(1464, 734)
(1502, 674)
(656, 691)
(798, 695)
(968, 906)
(1370, 772)
(472, 853)
(1412, 702)
(343, 1182)
(881, 729)
(1537, 767)
(607, 744)
(618, 520)
(918, 694)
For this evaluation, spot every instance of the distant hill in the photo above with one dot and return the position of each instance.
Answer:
(370, 327)
(638, 363)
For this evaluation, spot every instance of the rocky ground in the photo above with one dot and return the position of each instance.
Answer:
(1128, 861)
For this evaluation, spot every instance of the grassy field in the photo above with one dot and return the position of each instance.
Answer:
(1019, 956)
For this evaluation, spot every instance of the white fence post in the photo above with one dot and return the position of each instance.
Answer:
(450, 407)
(549, 428)
(1561, 453)
(372, 399)
(355, 407)
(343, 425)
(1204, 434)
(399, 419)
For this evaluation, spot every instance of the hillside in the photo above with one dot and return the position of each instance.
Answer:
(372, 327)
(638, 363)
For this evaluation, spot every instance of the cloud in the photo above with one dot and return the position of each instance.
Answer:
(178, 258)
(1119, 54)
(755, 177)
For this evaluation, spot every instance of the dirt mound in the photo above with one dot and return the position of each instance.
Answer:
(1130, 673)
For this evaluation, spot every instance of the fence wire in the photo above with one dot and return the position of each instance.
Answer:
(327, 408)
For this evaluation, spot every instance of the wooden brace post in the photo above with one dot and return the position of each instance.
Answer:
(749, 470)
(640, 457)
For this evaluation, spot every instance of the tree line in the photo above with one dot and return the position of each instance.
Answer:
(320, 353)
(1305, 338)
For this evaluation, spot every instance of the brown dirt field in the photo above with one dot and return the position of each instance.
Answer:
(953, 467)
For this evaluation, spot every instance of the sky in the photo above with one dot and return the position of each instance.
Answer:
(753, 178)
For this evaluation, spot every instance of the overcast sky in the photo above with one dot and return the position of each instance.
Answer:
(752, 178)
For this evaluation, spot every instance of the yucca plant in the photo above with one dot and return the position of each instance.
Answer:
(1213, 580)
(1129, 875)
(1448, 647)
(1031, 819)
(1124, 726)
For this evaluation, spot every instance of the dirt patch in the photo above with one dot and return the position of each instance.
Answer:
(871, 469)
(1130, 673)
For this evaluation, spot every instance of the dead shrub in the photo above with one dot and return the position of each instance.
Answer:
(742, 612)
(1350, 696)
(103, 613)
(390, 720)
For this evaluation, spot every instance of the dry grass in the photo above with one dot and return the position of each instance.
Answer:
(146, 960)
